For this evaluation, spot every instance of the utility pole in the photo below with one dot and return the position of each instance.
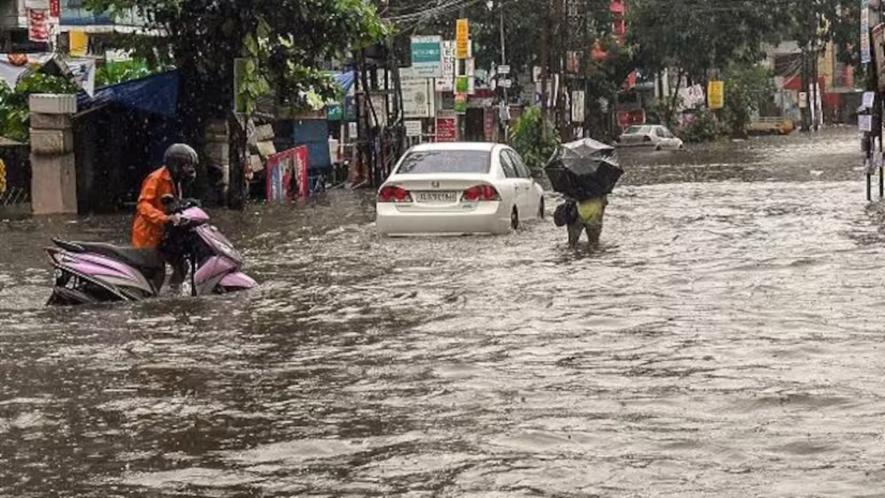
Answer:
(545, 60)
(506, 103)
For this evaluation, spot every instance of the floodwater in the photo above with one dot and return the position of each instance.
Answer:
(725, 341)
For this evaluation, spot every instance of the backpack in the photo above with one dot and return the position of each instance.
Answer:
(565, 214)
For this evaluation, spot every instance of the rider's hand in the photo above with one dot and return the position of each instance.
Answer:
(174, 220)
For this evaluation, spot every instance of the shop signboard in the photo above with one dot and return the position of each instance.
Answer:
(446, 128)
(578, 106)
(446, 82)
(413, 128)
(462, 39)
(38, 25)
(417, 94)
(427, 56)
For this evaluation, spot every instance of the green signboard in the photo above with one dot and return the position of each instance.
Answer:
(427, 56)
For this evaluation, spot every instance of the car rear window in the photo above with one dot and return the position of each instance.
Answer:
(633, 130)
(446, 161)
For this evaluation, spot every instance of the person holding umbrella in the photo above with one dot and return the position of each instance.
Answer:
(585, 172)
(588, 219)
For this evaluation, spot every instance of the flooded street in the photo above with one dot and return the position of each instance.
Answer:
(725, 341)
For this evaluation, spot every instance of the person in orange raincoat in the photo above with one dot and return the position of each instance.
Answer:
(151, 219)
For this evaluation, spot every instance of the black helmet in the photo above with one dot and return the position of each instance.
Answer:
(181, 159)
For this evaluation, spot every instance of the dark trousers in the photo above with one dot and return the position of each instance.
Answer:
(593, 233)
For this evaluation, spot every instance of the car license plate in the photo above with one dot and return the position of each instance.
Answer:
(437, 197)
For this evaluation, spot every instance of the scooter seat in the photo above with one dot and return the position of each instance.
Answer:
(148, 260)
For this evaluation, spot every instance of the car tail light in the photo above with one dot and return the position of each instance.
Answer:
(481, 193)
(394, 194)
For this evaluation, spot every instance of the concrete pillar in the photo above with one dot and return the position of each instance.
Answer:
(53, 167)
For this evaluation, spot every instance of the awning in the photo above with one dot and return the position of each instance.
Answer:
(345, 80)
(156, 94)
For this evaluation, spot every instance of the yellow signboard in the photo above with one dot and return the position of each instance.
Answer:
(716, 94)
(462, 39)
(79, 42)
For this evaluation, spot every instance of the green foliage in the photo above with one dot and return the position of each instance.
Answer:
(704, 127)
(287, 38)
(534, 138)
(119, 72)
(14, 111)
(747, 90)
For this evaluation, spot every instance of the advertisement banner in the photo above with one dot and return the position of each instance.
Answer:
(302, 176)
(462, 39)
(38, 25)
(287, 174)
(446, 128)
(418, 99)
(446, 82)
(716, 94)
(427, 56)
(55, 8)
(578, 106)
(413, 128)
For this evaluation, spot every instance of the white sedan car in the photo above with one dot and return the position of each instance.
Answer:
(656, 136)
(457, 188)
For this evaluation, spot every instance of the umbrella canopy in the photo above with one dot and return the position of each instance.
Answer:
(584, 170)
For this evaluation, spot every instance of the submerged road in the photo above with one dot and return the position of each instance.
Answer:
(726, 340)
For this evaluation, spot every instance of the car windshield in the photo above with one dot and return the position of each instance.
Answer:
(446, 161)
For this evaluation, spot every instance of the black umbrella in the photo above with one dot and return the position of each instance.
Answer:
(584, 170)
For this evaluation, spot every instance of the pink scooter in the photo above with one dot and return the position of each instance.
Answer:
(89, 273)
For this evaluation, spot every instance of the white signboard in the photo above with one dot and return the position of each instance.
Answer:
(865, 122)
(504, 69)
(446, 83)
(869, 99)
(418, 99)
(414, 128)
(506, 83)
(803, 100)
(578, 106)
(692, 97)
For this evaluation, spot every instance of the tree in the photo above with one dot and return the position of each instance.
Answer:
(748, 88)
(288, 38)
(695, 37)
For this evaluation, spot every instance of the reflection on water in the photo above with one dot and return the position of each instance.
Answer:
(724, 341)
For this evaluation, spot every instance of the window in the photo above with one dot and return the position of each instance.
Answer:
(446, 161)
(521, 169)
(507, 165)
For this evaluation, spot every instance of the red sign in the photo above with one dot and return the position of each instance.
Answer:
(446, 129)
(55, 8)
(627, 119)
(38, 25)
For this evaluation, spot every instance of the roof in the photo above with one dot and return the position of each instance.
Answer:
(478, 146)
(155, 94)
